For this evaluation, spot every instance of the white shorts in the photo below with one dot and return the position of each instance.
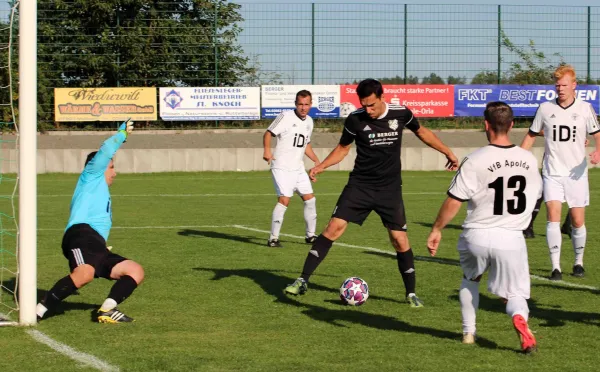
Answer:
(576, 192)
(504, 252)
(287, 182)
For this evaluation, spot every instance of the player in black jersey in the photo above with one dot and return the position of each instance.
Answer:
(374, 183)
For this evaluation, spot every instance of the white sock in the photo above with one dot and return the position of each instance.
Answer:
(469, 303)
(108, 304)
(40, 310)
(517, 306)
(310, 216)
(554, 239)
(578, 238)
(277, 220)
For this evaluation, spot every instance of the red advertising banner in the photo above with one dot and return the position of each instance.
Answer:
(432, 101)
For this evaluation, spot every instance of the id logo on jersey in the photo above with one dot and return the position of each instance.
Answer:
(563, 133)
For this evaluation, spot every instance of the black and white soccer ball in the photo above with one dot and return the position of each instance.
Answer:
(346, 108)
(354, 291)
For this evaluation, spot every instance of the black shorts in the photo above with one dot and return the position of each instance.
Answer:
(83, 245)
(356, 202)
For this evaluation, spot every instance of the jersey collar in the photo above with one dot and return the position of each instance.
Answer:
(298, 116)
(387, 108)
(564, 108)
(502, 147)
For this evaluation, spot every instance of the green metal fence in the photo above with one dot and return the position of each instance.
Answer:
(220, 43)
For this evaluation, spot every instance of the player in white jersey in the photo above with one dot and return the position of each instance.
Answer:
(293, 130)
(565, 123)
(501, 183)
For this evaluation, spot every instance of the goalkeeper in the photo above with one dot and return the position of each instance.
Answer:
(84, 240)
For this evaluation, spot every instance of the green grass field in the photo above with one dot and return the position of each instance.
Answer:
(213, 300)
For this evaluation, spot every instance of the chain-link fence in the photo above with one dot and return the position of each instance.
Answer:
(110, 43)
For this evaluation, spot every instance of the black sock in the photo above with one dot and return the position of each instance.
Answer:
(406, 266)
(316, 255)
(61, 290)
(122, 289)
(567, 222)
(536, 210)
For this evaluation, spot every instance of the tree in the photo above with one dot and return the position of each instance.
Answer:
(109, 43)
(433, 78)
(457, 80)
(485, 77)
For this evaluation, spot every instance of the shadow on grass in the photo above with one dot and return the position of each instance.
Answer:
(438, 260)
(224, 236)
(430, 224)
(273, 285)
(61, 307)
(551, 317)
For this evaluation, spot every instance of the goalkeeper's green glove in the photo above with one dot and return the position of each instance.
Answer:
(126, 127)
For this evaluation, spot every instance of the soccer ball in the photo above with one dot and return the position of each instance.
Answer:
(354, 291)
(346, 109)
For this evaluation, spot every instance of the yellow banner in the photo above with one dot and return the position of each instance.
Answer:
(104, 104)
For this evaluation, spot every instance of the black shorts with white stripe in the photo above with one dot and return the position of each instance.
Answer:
(83, 245)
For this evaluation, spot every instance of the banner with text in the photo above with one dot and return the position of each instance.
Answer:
(470, 100)
(278, 98)
(423, 100)
(104, 104)
(210, 103)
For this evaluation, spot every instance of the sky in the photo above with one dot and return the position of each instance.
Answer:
(488, 2)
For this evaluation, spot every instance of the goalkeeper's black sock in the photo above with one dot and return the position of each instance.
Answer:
(122, 289)
(536, 210)
(61, 290)
(316, 255)
(406, 266)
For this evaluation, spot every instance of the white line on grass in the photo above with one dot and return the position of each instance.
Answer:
(154, 227)
(210, 195)
(78, 356)
(429, 259)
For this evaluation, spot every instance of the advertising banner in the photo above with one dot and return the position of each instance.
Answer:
(210, 103)
(423, 100)
(104, 104)
(470, 100)
(277, 98)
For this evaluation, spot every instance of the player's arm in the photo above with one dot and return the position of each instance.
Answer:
(337, 155)
(593, 128)
(108, 149)
(447, 212)
(535, 130)
(430, 139)
(267, 154)
(311, 154)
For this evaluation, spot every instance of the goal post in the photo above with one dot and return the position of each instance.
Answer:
(27, 127)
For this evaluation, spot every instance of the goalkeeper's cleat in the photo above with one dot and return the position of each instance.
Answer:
(298, 287)
(310, 239)
(468, 338)
(414, 301)
(274, 243)
(528, 343)
(113, 316)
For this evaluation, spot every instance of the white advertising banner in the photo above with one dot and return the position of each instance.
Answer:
(210, 103)
(278, 98)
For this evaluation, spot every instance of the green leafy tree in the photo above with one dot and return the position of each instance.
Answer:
(110, 43)
(433, 78)
(457, 80)
(485, 77)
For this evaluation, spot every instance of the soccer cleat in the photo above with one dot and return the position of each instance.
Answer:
(528, 233)
(566, 229)
(113, 316)
(310, 239)
(298, 287)
(274, 243)
(555, 275)
(468, 338)
(414, 301)
(578, 271)
(527, 339)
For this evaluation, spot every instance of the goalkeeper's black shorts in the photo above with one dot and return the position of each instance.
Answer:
(83, 245)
